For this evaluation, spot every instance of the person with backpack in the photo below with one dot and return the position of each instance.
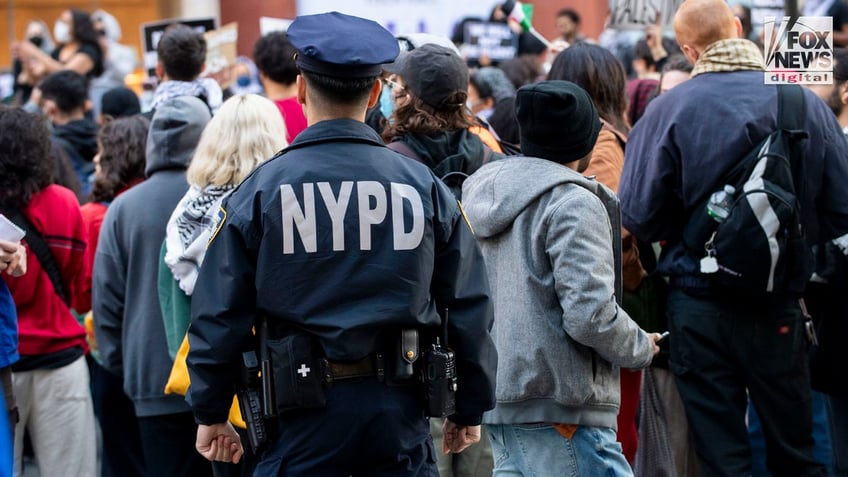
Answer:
(430, 122)
(737, 327)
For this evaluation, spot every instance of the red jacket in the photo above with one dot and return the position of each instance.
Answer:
(45, 323)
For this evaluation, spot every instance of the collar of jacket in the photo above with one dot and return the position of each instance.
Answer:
(336, 130)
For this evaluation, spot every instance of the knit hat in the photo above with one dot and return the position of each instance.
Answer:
(120, 102)
(557, 121)
(432, 73)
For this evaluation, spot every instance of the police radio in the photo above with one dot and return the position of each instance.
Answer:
(250, 402)
(439, 375)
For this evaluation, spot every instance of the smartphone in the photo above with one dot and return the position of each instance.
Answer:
(9, 231)
(663, 337)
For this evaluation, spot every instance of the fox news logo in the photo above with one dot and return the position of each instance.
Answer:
(799, 50)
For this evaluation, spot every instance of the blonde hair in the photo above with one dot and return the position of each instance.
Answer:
(246, 131)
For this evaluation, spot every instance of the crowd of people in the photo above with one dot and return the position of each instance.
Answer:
(362, 202)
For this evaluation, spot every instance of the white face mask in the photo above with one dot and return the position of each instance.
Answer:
(61, 32)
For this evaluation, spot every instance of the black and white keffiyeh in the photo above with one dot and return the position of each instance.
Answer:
(188, 232)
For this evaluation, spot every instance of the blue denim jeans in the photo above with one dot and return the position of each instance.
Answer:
(539, 450)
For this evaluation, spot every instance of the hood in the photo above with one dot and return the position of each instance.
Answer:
(81, 135)
(445, 152)
(174, 133)
(501, 190)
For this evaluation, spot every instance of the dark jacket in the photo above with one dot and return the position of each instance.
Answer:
(127, 317)
(78, 139)
(691, 136)
(451, 155)
(396, 252)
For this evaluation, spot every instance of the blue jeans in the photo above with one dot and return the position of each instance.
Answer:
(540, 450)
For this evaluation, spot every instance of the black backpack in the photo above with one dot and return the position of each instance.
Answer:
(450, 169)
(760, 246)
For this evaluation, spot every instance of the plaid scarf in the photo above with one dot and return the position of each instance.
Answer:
(729, 55)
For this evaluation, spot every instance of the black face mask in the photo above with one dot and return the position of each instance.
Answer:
(37, 41)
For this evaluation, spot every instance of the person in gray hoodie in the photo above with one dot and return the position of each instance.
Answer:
(552, 245)
(127, 317)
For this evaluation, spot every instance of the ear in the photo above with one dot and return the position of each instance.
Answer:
(301, 90)
(374, 97)
(843, 93)
(160, 71)
(739, 31)
(690, 53)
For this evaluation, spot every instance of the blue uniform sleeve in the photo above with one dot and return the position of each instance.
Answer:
(460, 284)
(222, 310)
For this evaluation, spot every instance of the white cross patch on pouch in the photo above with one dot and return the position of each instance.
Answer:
(303, 370)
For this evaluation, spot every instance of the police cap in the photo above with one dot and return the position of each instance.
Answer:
(343, 46)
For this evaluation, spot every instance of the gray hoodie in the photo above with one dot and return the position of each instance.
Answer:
(547, 237)
(127, 317)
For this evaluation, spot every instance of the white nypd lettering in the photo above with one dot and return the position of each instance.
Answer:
(369, 216)
(336, 209)
(372, 207)
(303, 219)
(404, 240)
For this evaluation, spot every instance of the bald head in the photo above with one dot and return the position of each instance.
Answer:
(700, 23)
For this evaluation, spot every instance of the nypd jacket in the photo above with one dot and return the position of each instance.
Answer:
(342, 238)
(691, 136)
(552, 244)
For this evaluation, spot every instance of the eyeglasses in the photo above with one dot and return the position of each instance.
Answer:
(396, 88)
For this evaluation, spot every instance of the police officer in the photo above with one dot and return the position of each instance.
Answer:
(361, 250)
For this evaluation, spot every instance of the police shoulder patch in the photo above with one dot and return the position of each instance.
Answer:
(219, 223)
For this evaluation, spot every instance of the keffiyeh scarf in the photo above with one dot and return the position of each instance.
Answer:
(188, 232)
(206, 89)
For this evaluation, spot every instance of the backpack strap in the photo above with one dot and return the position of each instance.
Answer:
(791, 118)
(402, 148)
(42, 252)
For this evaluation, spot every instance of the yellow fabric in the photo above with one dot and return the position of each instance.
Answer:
(178, 383)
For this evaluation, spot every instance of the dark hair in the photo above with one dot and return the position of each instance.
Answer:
(599, 72)
(84, 32)
(182, 52)
(417, 117)
(745, 19)
(520, 70)
(26, 164)
(341, 91)
(274, 56)
(67, 88)
(840, 65)
(484, 90)
(122, 145)
(567, 12)
(678, 62)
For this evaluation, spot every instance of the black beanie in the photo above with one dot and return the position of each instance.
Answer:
(557, 121)
(120, 102)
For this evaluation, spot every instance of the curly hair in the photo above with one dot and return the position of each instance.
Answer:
(26, 164)
(274, 56)
(417, 117)
(122, 143)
